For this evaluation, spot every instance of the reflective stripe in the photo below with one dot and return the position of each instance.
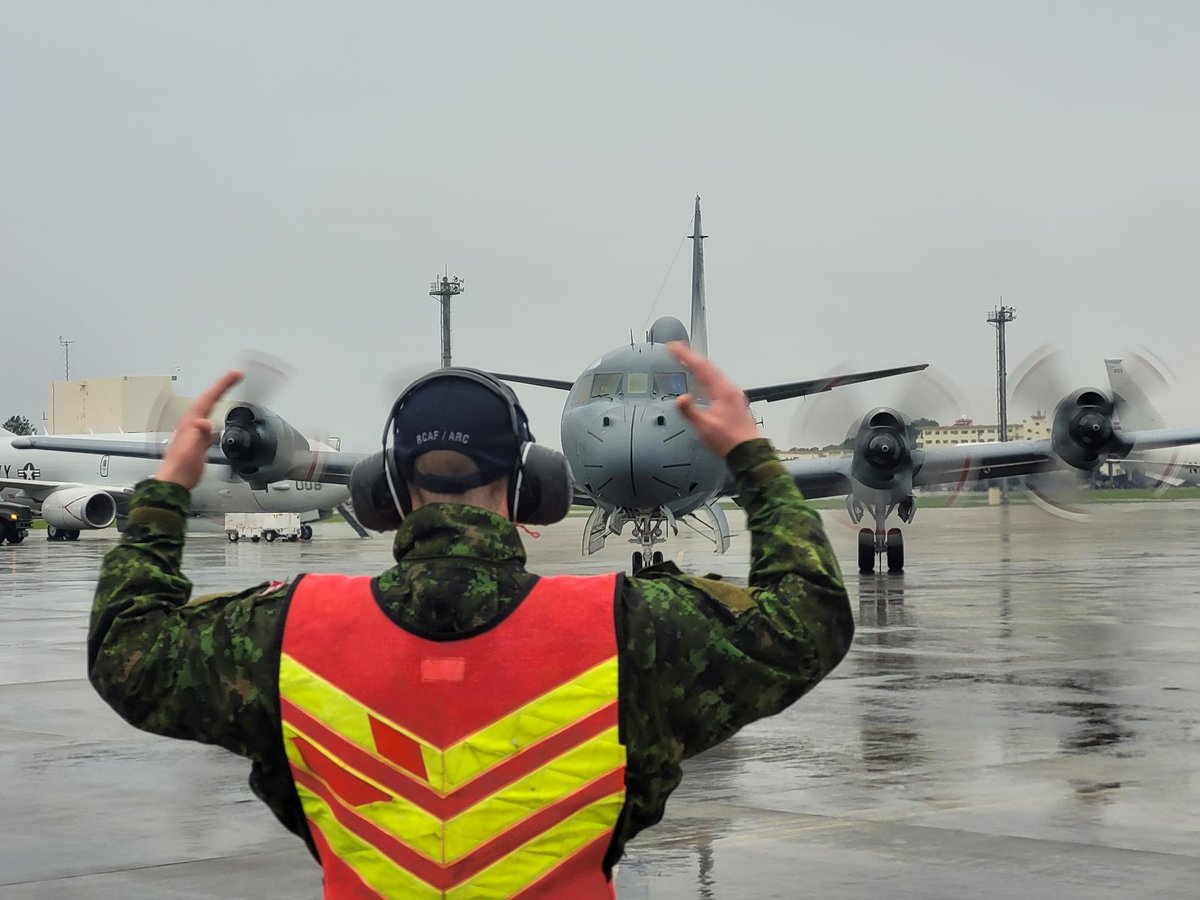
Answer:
(511, 873)
(456, 765)
(448, 840)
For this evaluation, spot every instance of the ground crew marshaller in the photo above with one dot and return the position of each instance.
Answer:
(459, 726)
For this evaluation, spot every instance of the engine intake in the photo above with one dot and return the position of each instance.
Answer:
(882, 454)
(74, 509)
(1083, 430)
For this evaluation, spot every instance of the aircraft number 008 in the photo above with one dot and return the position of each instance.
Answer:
(308, 485)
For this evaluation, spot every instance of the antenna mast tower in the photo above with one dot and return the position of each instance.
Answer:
(66, 345)
(443, 289)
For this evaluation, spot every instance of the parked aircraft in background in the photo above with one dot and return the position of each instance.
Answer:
(85, 480)
(1170, 467)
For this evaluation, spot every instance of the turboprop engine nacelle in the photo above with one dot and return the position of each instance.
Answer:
(74, 509)
(882, 455)
(1083, 428)
(261, 446)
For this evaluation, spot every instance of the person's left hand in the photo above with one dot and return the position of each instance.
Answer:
(183, 463)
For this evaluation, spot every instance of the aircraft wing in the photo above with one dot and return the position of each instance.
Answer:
(818, 385)
(104, 447)
(540, 382)
(37, 490)
(1157, 438)
(828, 477)
(966, 463)
(325, 466)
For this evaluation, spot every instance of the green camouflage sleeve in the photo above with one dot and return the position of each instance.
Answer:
(725, 655)
(203, 669)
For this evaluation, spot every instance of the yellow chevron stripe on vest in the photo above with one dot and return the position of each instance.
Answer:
(449, 841)
(451, 767)
(505, 877)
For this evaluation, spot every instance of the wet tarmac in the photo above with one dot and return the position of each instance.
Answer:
(1019, 717)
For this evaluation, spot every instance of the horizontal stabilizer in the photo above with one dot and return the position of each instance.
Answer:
(820, 385)
(540, 382)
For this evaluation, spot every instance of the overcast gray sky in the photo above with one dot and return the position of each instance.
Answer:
(181, 181)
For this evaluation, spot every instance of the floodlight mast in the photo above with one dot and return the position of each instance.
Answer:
(66, 345)
(443, 289)
(998, 318)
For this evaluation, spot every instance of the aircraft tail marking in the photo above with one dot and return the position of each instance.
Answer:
(1134, 408)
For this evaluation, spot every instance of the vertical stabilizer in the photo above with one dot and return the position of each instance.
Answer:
(1134, 408)
(699, 330)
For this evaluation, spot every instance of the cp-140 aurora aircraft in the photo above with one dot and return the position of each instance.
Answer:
(77, 482)
(638, 463)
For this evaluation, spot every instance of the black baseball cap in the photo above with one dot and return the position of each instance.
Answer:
(462, 410)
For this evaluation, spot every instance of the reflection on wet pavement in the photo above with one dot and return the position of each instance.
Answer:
(1019, 717)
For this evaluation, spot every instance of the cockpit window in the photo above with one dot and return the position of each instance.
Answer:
(637, 383)
(670, 383)
(605, 384)
(582, 390)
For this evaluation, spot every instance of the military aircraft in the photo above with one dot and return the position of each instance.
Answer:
(1170, 467)
(636, 461)
(78, 482)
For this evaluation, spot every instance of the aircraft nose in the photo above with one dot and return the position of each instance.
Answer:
(638, 456)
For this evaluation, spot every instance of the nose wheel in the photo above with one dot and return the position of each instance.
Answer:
(877, 545)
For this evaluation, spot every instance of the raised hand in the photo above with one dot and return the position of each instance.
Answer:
(183, 463)
(726, 421)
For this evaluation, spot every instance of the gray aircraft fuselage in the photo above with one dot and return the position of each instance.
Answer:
(628, 445)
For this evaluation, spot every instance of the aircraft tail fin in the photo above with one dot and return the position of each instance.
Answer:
(1134, 408)
(699, 331)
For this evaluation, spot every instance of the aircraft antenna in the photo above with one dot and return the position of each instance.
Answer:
(66, 345)
(444, 288)
(998, 318)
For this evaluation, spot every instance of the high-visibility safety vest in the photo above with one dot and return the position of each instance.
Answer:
(485, 766)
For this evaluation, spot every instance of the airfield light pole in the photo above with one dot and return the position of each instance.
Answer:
(445, 288)
(66, 345)
(998, 318)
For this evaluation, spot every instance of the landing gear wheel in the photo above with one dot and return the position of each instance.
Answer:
(638, 564)
(895, 550)
(71, 535)
(233, 536)
(270, 536)
(306, 532)
(658, 557)
(866, 550)
(53, 534)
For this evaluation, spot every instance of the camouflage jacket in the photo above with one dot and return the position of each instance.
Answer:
(705, 657)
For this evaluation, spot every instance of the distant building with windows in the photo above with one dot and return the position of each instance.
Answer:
(966, 431)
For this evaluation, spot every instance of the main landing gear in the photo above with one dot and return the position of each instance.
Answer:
(61, 534)
(874, 544)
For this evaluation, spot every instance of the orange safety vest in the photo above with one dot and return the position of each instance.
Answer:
(486, 766)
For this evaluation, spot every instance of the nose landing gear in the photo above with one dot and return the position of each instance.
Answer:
(648, 530)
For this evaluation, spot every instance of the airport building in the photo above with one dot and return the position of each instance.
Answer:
(965, 431)
(125, 404)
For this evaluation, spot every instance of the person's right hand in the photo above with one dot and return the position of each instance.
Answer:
(726, 421)
(183, 463)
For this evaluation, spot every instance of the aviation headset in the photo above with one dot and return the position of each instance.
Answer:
(540, 486)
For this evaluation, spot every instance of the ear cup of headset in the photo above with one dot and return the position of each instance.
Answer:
(543, 489)
(370, 495)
